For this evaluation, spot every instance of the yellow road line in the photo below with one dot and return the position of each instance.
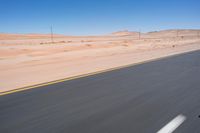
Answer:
(85, 75)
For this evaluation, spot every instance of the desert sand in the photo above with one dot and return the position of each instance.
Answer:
(31, 59)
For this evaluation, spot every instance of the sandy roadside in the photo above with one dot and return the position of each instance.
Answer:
(31, 59)
(22, 72)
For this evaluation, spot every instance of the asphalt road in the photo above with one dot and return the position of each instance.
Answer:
(137, 99)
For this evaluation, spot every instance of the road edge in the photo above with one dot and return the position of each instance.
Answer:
(89, 74)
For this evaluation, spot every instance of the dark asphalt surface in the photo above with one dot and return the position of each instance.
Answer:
(138, 99)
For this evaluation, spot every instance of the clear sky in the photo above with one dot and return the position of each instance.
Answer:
(92, 17)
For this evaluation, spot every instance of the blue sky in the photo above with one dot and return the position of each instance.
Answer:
(93, 17)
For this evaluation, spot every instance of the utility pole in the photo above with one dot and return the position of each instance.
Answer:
(139, 34)
(52, 40)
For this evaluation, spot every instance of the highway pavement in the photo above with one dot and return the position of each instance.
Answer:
(145, 98)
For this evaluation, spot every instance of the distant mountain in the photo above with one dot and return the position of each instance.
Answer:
(174, 33)
(125, 33)
(162, 33)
